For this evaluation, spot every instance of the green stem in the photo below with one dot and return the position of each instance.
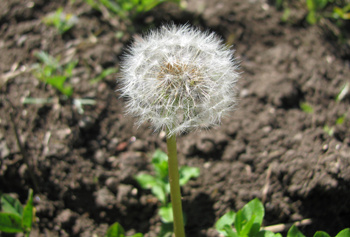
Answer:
(175, 192)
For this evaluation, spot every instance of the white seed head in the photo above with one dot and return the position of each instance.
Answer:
(179, 79)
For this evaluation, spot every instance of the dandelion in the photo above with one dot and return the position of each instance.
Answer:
(179, 79)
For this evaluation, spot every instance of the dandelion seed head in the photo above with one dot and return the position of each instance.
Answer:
(179, 79)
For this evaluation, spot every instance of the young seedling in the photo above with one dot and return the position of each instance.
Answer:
(50, 71)
(116, 230)
(14, 218)
(61, 21)
(314, 8)
(247, 223)
(160, 186)
(126, 8)
(306, 107)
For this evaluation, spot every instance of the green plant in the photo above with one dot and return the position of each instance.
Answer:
(50, 71)
(160, 186)
(315, 7)
(126, 8)
(60, 20)
(247, 223)
(116, 230)
(159, 183)
(103, 74)
(15, 218)
(306, 107)
(342, 12)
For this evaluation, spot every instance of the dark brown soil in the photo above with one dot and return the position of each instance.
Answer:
(269, 148)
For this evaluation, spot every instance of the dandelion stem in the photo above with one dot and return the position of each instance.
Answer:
(175, 192)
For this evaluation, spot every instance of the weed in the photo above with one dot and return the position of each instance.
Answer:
(61, 21)
(126, 8)
(160, 187)
(51, 72)
(14, 218)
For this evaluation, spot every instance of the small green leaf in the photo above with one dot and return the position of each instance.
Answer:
(247, 228)
(47, 59)
(310, 5)
(166, 230)
(115, 230)
(311, 18)
(27, 218)
(146, 181)
(226, 219)
(137, 235)
(10, 223)
(239, 221)
(230, 232)
(253, 209)
(160, 164)
(159, 192)
(68, 70)
(321, 234)
(294, 232)
(320, 4)
(307, 108)
(328, 130)
(343, 92)
(267, 233)
(340, 120)
(58, 83)
(186, 173)
(166, 214)
(11, 205)
(103, 74)
(344, 233)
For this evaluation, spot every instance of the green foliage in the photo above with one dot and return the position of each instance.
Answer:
(159, 183)
(160, 187)
(314, 8)
(50, 71)
(318, 9)
(116, 230)
(15, 218)
(60, 20)
(103, 74)
(343, 92)
(126, 8)
(306, 107)
(247, 223)
(342, 13)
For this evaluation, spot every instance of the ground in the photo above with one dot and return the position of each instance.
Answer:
(84, 163)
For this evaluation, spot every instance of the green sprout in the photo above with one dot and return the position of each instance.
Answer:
(159, 183)
(126, 8)
(248, 220)
(342, 12)
(60, 20)
(306, 107)
(315, 7)
(343, 92)
(160, 187)
(50, 71)
(103, 74)
(14, 218)
(330, 129)
(116, 230)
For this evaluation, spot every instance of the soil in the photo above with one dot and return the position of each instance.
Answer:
(268, 148)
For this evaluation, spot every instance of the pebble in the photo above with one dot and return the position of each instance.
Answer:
(112, 184)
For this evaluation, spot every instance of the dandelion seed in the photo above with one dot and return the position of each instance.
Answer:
(179, 79)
